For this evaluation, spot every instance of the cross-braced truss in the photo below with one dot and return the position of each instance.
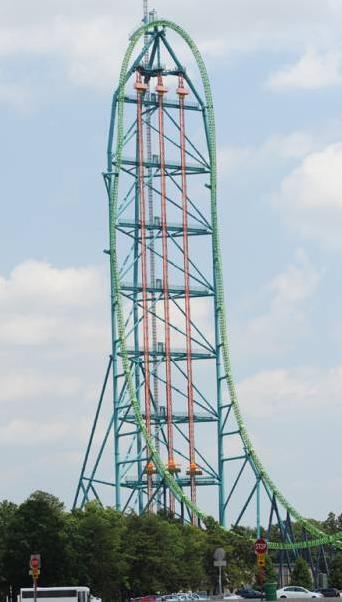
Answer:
(173, 437)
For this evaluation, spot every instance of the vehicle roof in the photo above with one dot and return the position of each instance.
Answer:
(49, 589)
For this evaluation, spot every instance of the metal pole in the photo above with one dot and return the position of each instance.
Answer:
(258, 508)
(117, 466)
(150, 205)
(141, 89)
(161, 90)
(182, 92)
(93, 429)
(137, 366)
(34, 590)
(223, 502)
(220, 580)
(145, 11)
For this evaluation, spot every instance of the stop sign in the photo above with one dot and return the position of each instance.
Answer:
(260, 546)
(35, 561)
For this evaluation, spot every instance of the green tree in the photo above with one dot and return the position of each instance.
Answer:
(192, 573)
(330, 525)
(301, 574)
(119, 555)
(240, 561)
(271, 575)
(154, 551)
(7, 511)
(215, 538)
(240, 557)
(339, 522)
(335, 578)
(96, 540)
(37, 526)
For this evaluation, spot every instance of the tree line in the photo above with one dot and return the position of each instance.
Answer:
(117, 555)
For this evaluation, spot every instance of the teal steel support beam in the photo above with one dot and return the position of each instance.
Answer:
(258, 524)
(92, 433)
(136, 326)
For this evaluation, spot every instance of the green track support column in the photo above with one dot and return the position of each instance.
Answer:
(220, 422)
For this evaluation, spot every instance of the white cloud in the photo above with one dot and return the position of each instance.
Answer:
(89, 38)
(276, 148)
(52, 323)
(295, 285)
(32, 432)
(294, 415)
(91, 55)
(88, 44)
(242, 26)
(281, 392)
(276, 329)
(317, 181)
(43, 283)
(230, 158)
(312, 71)
(40, 304)
(54, 346)
(29, 385)
(290, 146)
(311, 196)
(15, 94)
(306, 169)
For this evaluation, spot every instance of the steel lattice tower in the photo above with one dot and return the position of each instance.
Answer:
(175, 434)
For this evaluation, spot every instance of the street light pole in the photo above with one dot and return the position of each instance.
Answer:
(220, 561)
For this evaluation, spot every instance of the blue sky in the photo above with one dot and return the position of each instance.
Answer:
(276, 73)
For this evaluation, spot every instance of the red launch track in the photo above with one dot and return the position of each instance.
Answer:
(171, 464)
(141, 89)
(182, 92)
(161, 90)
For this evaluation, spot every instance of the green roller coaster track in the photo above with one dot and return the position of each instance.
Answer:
(319, 538)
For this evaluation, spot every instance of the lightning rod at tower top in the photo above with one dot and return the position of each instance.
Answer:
(148, 16)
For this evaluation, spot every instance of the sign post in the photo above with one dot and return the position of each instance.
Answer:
(261, 560)
(35, 564)
(260, 548)
(220, 561)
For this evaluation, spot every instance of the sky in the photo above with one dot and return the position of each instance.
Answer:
(276, 75)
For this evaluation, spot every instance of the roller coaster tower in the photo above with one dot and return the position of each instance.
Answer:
(168, 433)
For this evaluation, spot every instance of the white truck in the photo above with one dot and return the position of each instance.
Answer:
(55, 594)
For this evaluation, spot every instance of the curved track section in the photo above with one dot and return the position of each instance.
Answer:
(318, 537)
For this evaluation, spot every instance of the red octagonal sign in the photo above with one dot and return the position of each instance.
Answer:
(260, 546)
(35, 561)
